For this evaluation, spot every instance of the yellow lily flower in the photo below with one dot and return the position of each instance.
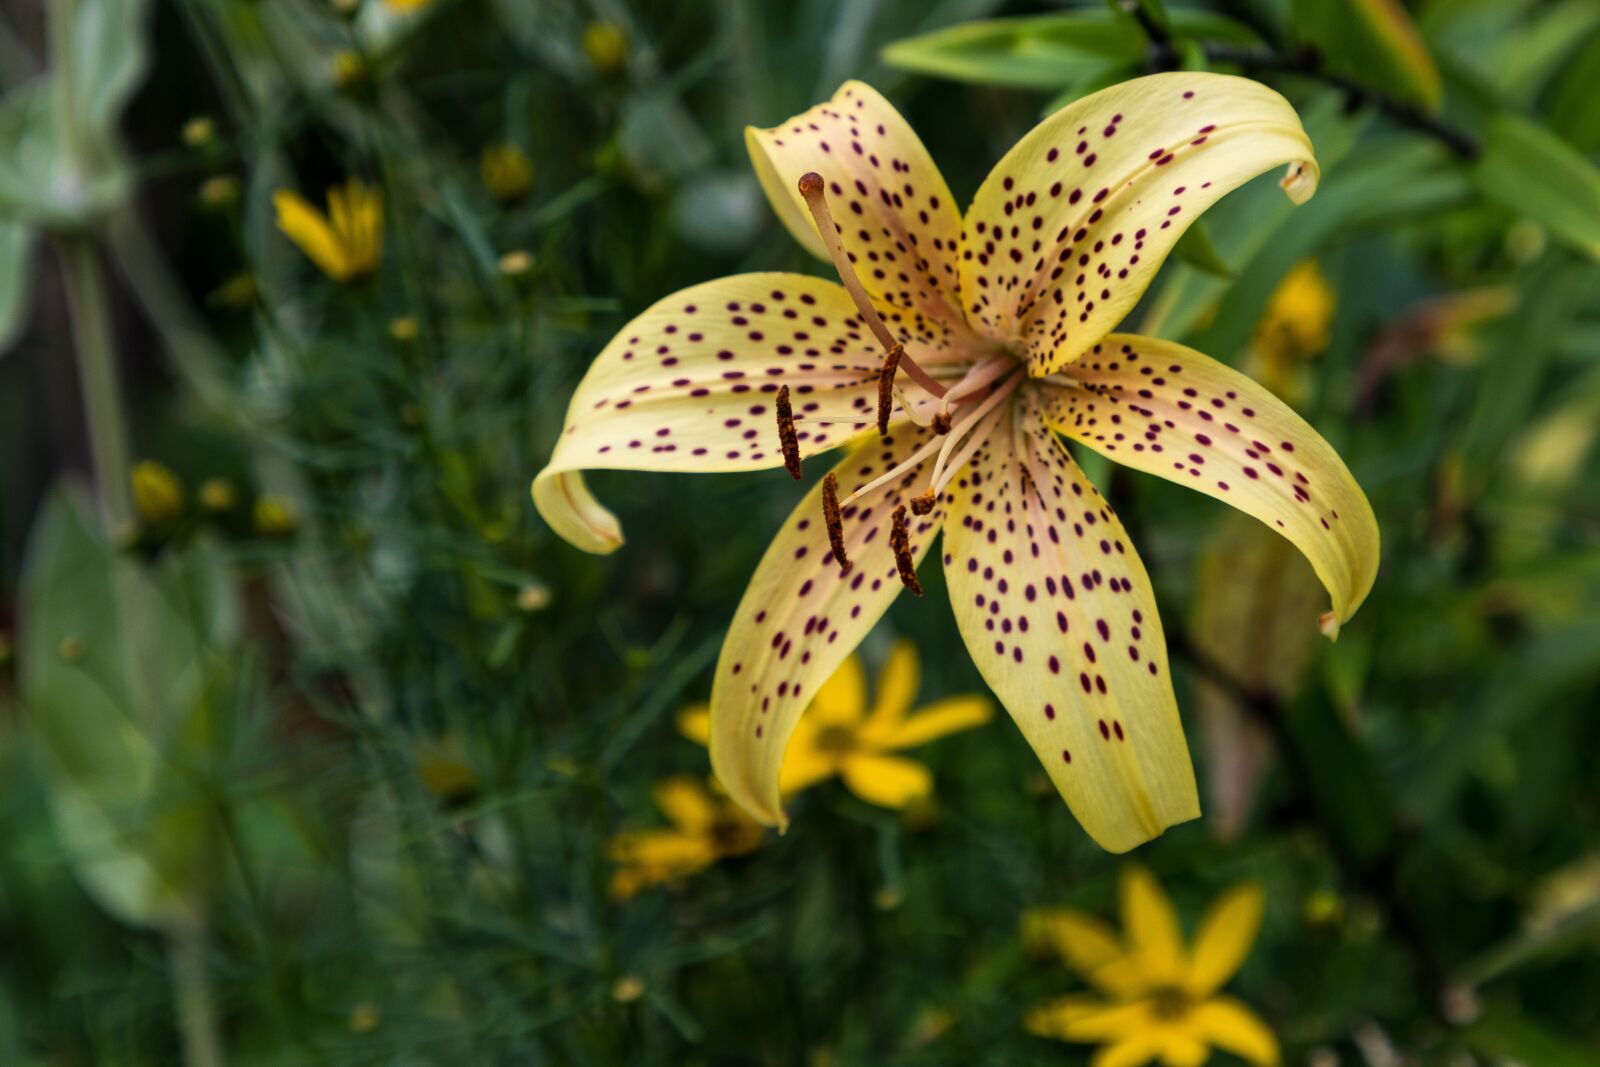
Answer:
(840, 736)
(347, 242)
(705, 828)
(969, 343)
(1160, 999)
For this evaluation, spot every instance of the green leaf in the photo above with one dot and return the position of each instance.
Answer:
(1504, 1034)
(1195, 248)
(122, 711)
(1045, 51)
(1349, 793)
(1373, 41)
(1571, 106)
(16, 247)
(1529, 170)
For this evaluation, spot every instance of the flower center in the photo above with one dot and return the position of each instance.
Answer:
(1170, 1004)
(726, 834)
(836, 740)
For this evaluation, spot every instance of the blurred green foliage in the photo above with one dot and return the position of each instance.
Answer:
(322, 767)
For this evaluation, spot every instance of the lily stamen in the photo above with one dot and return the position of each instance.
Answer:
(900, 544)
(811, 190)
(969, 420)
(834, 521)
(787, 438)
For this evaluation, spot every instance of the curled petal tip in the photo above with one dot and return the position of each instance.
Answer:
(1328, 623)
(1300, 181)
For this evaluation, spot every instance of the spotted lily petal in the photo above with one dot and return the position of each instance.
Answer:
(1224, 939)
(689, 386)
(1228, 1024)
(800, 618)
(1069, 228)
(896, 217)
(1059, 616)
(1168, 410)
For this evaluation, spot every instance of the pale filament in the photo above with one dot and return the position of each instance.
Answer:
(975, 441)
(978, 376)
(811, 190)
(943, 445)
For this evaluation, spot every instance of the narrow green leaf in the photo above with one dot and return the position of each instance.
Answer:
(1195, 248)
(1373, 41)
(1529, 170)
(1571, 103)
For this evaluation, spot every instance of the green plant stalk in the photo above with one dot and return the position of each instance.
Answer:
(97, 378)
(197, 1010)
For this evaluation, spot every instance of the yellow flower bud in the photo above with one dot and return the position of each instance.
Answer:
(443, 768)
(157, 493)
(606, 46)
(219, 191)
(516, 263)
(408, 5)
(507, 172)
(627, 989)
(403, 328)
(238, 291)
(199, 131)
(365, 1018)
(1323, 907)
(534, 596)
(275, 517)
(349, 69)
(218, 495)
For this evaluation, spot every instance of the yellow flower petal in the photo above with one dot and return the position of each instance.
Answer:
(1224, 939)
(800, 617)
(942, 717)
(804, 763)
(687, 386)
(1226, 436)
(694, 722)
(1228, 1024)
(1180, 1048)
(685, 800)
(896, 216)
(1060, 619)
(309, 230)
(1154, 936)
(1130, 1052)
(887, 781)
(1120, 174)
(1087, 1019)
(897, 684)
(842, 699)
(664, 849)
(1088, 945)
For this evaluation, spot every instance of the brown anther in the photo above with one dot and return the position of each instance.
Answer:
(786, 435)
(923, 504)
(886, 373)
(900, 544)
(941, 422)
(834, 521)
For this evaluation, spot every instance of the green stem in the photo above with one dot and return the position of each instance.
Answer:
(97, 375)
(197, 1010)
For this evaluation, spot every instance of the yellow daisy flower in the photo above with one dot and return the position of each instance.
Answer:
(1159, 999)
(347, 242)
(839, 735)
(705, 828)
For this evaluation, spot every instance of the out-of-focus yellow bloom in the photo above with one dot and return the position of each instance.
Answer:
(1323, 907)
(408, 5)
(275, 517)
(403, 328)
(627, 989)
(1161, 998)
(157, 493)
(606, 46)
(1294, 326)
(349, 69)
(218, 495)
(239, 291)
(199, 131)
(516, 263)
(507, 172)
(347, 242)
(837, 735)
(219, 191)
(705, 828)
